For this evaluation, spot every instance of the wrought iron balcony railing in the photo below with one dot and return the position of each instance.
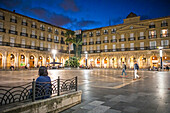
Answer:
(84, 35)
(152, 36)
(141, 38)
(131, 38)
(33, 26)
(49, 39)
(105, 33)
(50, 30)
(24, 23)
(151, 26)
(13, 20)
(91, 43)
(164, 24)
(122, 39)
(113, 32)
(98, 42)
(42, 28)
(24, 34)
(56, 41)
(164, 35)
(2, 30)
(41, 38)
(13, 32)
(97, 34)
(33, 36)
(84, 43)
(114, 40)
(105, 41)
(90, 35)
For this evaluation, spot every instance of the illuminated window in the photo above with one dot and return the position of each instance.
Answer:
(164, 32)
(141, 33)
(122, 36)
(131, 34)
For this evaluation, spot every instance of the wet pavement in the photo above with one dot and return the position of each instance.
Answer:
(104, 91)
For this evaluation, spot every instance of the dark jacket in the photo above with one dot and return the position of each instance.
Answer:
(136, 67)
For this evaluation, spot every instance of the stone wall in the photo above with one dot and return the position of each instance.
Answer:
(50, 105)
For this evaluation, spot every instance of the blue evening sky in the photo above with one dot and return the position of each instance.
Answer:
(87, 14)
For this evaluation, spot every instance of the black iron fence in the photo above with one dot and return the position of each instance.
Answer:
(36, 90)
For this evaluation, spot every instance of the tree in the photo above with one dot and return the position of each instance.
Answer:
(77, 43)
(72, 62)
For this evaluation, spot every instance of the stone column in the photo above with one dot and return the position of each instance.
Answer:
(5, 60)
(17, 60)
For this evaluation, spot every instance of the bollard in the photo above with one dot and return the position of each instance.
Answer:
(33, 90)
(58, 86)
(76, 83)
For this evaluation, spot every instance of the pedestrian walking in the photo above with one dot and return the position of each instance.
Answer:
(136, 68)
(123, 69)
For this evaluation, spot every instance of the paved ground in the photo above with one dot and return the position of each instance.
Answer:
(105, 92)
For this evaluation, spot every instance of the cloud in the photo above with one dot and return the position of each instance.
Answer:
(69, 5)
(85, 23)
(51, 17)
(10, 4)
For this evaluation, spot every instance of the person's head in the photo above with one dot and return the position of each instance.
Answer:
(43, 71)
(135, 62)
(123, 62)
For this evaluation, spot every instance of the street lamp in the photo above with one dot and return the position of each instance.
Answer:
(54, 53)
(86, 55)
(160, 53)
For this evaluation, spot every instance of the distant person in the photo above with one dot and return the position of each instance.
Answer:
(43, 84)
(123, 69)
(167, 68)
(136, 68)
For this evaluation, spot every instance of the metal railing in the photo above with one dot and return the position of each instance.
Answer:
(36, 90)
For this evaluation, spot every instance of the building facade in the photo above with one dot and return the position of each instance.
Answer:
(27, 41)
(134, 40)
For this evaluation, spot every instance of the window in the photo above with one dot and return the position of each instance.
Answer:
(49, 46)
(114, 30)
(152, 23)
(41, 45)
(33, 44)
(23, 30)
(152, 44)
(122, 36)
(42, 26)
(33, 23)
(164, 42)
(23, 43)
(42, 34)
(1, 14)
(84, 40)
(91, 33)
(1, 25)
(13, 17)
(91, 47)
(122, 47)
(12, 41)
(56, 38)
(113, 37)
(164, 21)
(49, 35)
(141, 33)
(98, 38)
(12, 27)
(1, 39)
(152, 33)
(164, 32)
(98, 47)
(33, 32)
(105, 31)
(56, 47)
(91, 39)
(24, 20)
(114, 47)
(71, 47)
(105, 46)
(105, 38)
(97, 32)
(131, 35)
(84, 49)
(131, 46)
(142, 45)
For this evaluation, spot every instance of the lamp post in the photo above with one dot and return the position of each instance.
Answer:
(54, 53)
(86, 55)
(160, 53)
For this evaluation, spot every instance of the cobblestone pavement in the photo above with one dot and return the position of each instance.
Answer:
(104, 91)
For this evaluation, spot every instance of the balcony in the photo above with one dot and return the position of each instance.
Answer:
(114, 31)
(151, 26)
(113, 50)
(2, 18)
(56, 32)
(91, 51)
(131, 39)
(56, 41)
(42, 28)
(105, 33)
(114, 40)
(98, 42)
(13, 32)
(84, 43)
(141, 38)
(41, 38)
(24, 34)
(105, 41)
(164, 24)
(90, 35)
(84, 35)
(33, 26)
(152, 36)
(62, 42)
(49, 39)
(13, 20)
(122, 40)
(98, 51)
(164, 35)
(50, 30)
(33, 36)
(122, 49)
(153, 47)
(97, 34)
(2, 30)
(24, 23)
(91, 43)
(105, 50)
